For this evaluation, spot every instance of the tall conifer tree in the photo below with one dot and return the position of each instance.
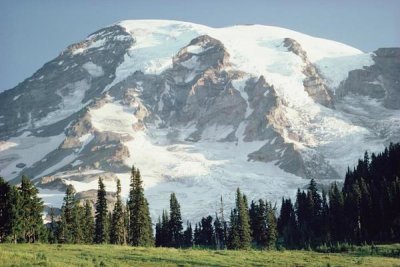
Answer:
(117, 233)
(175, 222)
(140, 225)
(101, 228)
(31, 211)
(88, 223)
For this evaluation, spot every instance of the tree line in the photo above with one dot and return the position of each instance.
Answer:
(365, 210)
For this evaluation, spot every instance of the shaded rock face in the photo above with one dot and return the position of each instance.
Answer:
(380, 81)
(62, 86)
(314, 83)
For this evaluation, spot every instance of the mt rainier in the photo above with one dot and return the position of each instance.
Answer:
(200, 111)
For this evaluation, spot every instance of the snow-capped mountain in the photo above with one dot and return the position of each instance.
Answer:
(201, 111)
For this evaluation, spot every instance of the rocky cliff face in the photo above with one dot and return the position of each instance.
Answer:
(200, 111)
(379, 81)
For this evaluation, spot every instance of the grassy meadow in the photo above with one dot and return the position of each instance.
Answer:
(111, 255)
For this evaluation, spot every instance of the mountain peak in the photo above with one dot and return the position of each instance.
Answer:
(199, 110)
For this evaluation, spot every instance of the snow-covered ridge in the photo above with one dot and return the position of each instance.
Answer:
(253, 48)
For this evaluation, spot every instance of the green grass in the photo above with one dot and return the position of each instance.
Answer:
(109, 255)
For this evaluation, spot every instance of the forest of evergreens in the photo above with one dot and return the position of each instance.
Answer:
(365, 210)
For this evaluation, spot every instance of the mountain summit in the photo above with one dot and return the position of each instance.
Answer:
(200, 111)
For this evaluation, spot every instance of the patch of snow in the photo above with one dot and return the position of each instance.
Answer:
(5, 145)
(191, 63)
(239, 85)
(113, 117)
(97, 44)
(85, 139)
(26, 149)
(65, 161)
(93, 69)
(41, 77)
(72, 96)
(216, 132)
(79, 51)
(76, 163)
(337, 69)
(16, 97)
(194, 49)
(156, 43)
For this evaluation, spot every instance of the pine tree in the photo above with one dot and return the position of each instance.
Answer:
(240, 232)
(219, 233)
(272, 232)
(188, 235)
(52, 227)
(165, 232)
(17, 218)
(287, 225)
(70, 227)
(325, 235)
(77, 226)
(233, 236)
(206, 233)
(175, 222)
(101, 233)
(163, 238)
(5, 210)
(88, 224)
(336, 214)
(158, 238)
(258, 223)
(243, 221)
(117, 233)
(221, 227)
(31, 211)
(140, 225)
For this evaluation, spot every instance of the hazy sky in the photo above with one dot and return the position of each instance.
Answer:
(33, 32)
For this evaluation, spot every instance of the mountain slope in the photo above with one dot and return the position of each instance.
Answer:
(200, 111)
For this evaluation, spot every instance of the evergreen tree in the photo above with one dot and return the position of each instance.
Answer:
(158, 238)
(219, 233)
(165, 231)
(70, 227)
(188, 235)
(88, 223)
(101, 233)
(31, 211)
(233, 236)
(336, 214)
(221, 227)
(258, 223)
(240, 232)
(196, 234)
(140, 226)
(272, 232)
(17, 214)
(117, 232)
(52, 238)
(287, 225)
(325, 235)
(175, 222)
(243, 221)
(5, 210)
(206, 232)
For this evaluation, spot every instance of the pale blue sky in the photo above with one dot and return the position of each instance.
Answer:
(33, 32)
